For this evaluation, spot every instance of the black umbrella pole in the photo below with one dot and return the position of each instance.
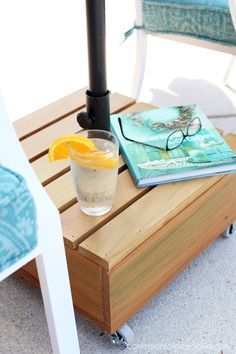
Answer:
(97, 96)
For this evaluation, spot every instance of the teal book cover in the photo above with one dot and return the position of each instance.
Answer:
(171, 144)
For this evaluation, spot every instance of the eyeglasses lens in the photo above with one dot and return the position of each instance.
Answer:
(194, 127)
(174, 140)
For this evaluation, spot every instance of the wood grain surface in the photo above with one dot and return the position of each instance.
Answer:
(150, 267)
(118, 261)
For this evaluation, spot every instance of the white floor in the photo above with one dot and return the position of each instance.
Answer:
(44, 58)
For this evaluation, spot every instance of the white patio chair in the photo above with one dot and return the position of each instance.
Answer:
(49, 252)
(174, 19)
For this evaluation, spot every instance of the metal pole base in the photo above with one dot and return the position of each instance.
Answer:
(98, 112)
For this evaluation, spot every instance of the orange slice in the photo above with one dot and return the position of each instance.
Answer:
(59, 148)
(96, 161)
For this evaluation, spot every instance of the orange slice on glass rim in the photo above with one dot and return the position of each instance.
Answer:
(59, 148)
(95, 161)
(88, 155)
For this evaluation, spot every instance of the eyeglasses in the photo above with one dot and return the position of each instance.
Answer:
(174, 139)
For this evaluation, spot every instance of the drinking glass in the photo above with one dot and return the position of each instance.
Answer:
(95, 173)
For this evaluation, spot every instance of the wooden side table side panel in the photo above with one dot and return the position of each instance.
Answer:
(86, 285)
(150, 267)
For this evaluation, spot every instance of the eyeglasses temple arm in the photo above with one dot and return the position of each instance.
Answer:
(135, 141)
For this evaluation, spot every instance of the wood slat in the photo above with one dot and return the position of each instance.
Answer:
(47, 172)
(231, 140)
(77, 226)
(120, 102)
(51, 113)
(62, 192)
(138, 107)
(37, 144)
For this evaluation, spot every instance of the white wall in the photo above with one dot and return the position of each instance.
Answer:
(43, 49)
(44, 57)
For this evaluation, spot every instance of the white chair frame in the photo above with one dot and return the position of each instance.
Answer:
(49, 253)
(141, 46)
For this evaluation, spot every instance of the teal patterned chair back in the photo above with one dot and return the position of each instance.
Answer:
(203, 19)
(18, 230)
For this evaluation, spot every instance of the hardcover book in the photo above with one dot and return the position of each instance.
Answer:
(171, 144)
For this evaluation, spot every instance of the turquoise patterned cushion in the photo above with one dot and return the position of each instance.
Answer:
(204, 19)
(17, 218)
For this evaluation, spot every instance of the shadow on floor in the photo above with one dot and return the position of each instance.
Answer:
(212, 99)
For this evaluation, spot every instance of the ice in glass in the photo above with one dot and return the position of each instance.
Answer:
(95, 173)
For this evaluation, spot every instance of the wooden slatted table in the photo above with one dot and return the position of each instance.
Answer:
(118, 261)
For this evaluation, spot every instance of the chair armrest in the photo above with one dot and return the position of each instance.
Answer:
(232, 7)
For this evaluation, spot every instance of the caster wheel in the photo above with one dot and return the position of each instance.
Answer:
(123, 337)
(230, 231)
